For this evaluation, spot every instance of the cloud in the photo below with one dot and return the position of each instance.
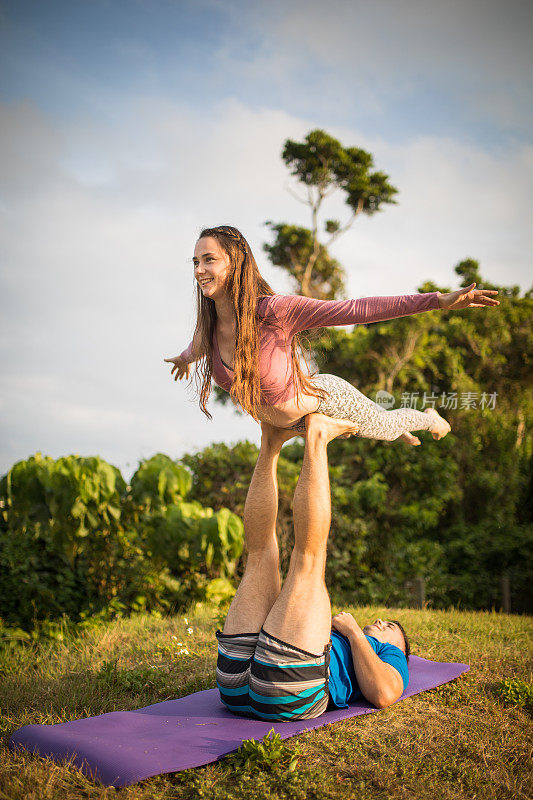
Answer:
(456, 201)
(475, 54)
(411, 66)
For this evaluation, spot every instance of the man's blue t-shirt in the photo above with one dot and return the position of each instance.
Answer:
(343, 686)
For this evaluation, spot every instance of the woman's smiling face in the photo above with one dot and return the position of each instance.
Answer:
(211, 267)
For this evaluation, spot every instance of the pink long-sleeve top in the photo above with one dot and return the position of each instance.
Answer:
(294, 313)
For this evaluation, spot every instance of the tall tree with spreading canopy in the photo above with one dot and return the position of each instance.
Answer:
(324, 166)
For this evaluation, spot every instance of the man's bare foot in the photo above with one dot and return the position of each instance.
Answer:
(329, 428)
(410, 439)
(274, 436)
(440, 427)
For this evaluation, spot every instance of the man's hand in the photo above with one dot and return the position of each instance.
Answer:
(467, 298)
(345, 623)
(182, 367)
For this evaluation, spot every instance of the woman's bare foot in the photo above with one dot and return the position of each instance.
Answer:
(329, 427)
(440, 427)
(410, 439)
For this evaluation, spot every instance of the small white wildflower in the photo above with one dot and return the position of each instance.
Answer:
(175, 637)
(189, 630)
(186, 621)
(185, 651)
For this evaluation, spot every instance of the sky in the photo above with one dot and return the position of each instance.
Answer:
(128, 125)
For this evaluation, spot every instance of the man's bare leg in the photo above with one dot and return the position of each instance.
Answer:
(301, 615)
(261, 582)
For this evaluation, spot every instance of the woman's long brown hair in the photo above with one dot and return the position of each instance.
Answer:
(244, 285)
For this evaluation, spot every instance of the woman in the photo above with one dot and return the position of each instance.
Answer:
(246, 338)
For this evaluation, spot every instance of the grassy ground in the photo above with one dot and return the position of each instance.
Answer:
(457, 741)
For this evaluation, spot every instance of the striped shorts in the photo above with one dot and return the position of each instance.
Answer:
(263, 677)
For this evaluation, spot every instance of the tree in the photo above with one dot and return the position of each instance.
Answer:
(324, 166)
(316, 273)
(484, 527)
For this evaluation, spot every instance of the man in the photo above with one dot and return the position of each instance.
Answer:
(278, 658)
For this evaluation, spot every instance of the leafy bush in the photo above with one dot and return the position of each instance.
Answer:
(75, 540)
(159, 482)
(516, 692)
(62, 546)
(270, 753)
(188, 538)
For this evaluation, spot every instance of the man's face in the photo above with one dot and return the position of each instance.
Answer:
(385, 631)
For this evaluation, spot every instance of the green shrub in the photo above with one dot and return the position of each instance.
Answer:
(516, 692)
(76, 541)
(270, 753)
(160, 482)
(62, 546)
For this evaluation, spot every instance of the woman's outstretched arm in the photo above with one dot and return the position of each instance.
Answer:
(302, 313)
(182, 363)
(298, 313)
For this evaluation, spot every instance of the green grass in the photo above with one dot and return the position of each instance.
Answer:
(467, 739)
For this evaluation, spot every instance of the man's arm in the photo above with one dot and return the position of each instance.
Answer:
(380, 683)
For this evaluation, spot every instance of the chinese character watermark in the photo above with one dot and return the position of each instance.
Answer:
(446, 400)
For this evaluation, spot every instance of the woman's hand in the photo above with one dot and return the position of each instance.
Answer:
(182, 367)
(345, 623)
(468, 298)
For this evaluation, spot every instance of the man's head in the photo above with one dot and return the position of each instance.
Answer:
(389, 631)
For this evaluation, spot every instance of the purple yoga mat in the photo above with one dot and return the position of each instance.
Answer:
(123, 747)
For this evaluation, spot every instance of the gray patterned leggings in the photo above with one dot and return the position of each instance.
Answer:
(346, 402)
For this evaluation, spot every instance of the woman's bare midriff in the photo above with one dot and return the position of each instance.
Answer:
(283, 415)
